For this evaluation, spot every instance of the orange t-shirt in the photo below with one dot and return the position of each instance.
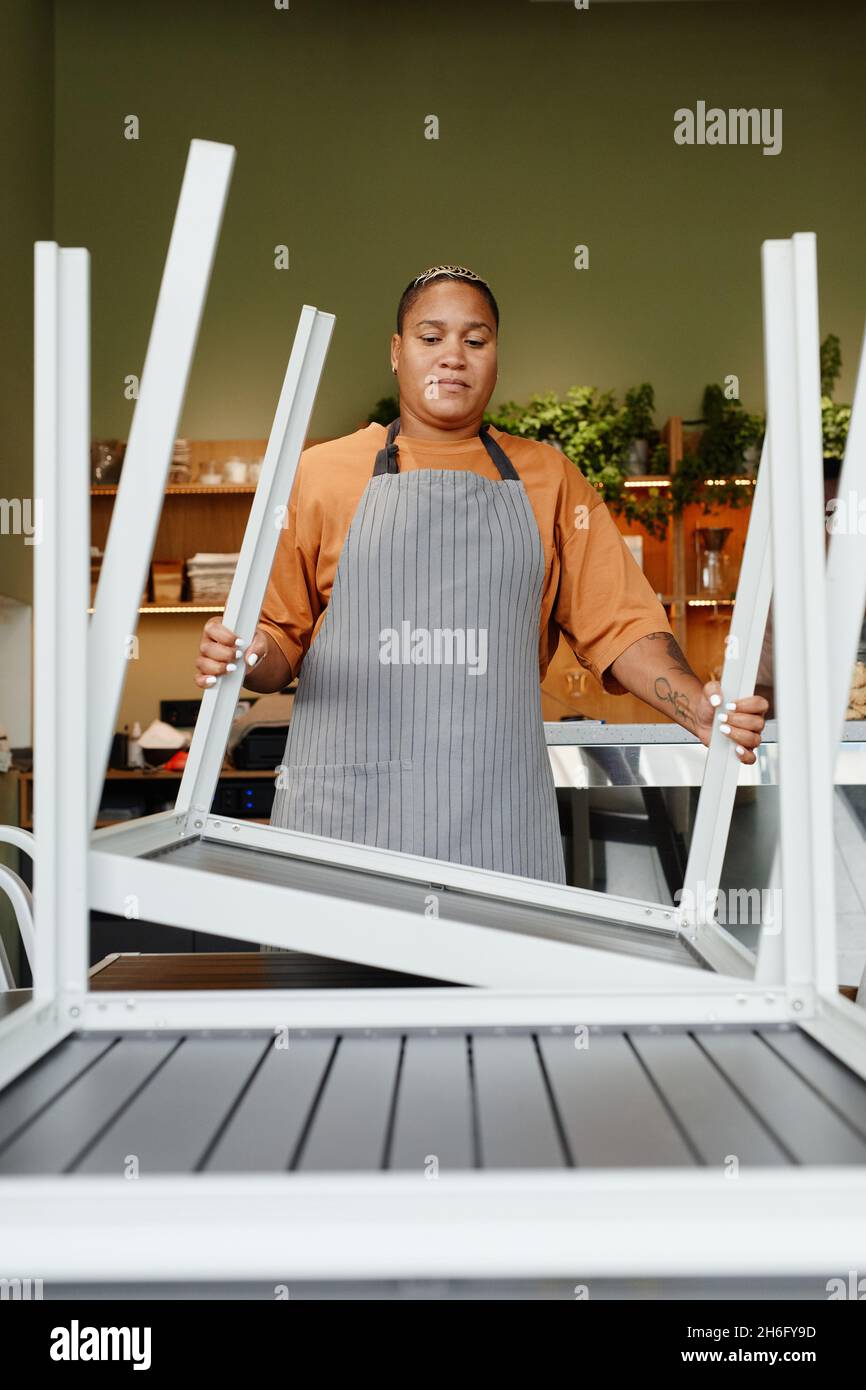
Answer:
(594, 592)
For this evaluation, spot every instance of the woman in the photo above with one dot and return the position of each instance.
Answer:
(420, 587)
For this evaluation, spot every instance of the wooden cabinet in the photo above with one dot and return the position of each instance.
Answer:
(699, 623)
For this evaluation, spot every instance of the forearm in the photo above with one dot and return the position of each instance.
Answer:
(655, 669)
(271, 672)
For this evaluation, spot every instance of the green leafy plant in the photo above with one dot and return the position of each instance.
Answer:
(835, 423)
(835, 419)
(384, 411)
(831, 364)
(596, 432)
(719, 456)
(638, 413)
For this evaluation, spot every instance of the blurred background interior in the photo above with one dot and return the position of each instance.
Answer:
(555, 132)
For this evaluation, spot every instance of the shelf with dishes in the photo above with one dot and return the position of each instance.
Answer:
(208, 496)
(211, 464)
(198, 584)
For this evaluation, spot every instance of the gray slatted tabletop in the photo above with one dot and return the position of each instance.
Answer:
(317, 1102)
(356, 885)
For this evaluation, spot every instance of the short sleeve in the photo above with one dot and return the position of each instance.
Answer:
(604, 601)
(292, 603)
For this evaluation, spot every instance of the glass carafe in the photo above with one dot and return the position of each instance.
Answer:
(712, 560)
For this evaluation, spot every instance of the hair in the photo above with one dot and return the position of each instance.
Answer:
(443, 272)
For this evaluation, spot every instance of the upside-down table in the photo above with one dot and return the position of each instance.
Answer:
(582, 1087)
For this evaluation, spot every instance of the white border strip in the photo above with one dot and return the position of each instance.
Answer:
(574, 1224)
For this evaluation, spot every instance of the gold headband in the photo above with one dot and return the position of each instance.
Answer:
(457, 270)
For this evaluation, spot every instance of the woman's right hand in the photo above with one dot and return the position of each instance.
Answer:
(221, 650)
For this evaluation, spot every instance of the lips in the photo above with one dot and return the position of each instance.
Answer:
(452, 381)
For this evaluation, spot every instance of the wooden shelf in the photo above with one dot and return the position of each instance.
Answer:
(205, 452)
(193, 517)
(664, 480)
(179, 608)
(186, 490)
(703, 600)
(648, 480)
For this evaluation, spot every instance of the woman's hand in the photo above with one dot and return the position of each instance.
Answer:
(221, 650)
(742, 721)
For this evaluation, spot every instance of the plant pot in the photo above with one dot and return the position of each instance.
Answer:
(751, 459)
(637, 461)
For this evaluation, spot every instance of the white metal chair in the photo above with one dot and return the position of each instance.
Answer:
(20, 898)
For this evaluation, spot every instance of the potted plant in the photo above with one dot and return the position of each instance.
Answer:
(729, 447)
(731, 436)
(596, 433)
(835, 419)
(639, 426)
(835, 423)
(384, 411)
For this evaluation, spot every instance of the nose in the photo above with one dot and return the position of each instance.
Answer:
(453, 356)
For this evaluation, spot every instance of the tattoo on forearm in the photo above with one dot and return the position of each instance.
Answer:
(673, 650)
(678, 701)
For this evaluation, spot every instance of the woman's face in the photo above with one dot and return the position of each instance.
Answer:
(446, 355)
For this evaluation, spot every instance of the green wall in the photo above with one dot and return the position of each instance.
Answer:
(26, 216)
(556, 128)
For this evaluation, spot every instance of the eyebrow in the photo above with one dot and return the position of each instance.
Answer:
(440, 323)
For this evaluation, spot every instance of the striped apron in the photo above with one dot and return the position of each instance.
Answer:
(417, 722)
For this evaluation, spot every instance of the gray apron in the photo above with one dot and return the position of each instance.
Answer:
(417, 721)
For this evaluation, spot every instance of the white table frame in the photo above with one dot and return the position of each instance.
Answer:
(490, 1224)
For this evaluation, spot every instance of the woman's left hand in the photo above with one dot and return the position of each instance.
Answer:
(742, 721)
